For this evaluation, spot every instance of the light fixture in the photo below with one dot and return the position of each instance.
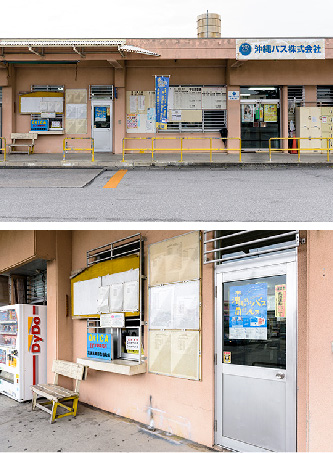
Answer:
(261, 88)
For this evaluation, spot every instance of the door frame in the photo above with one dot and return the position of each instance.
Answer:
(278, 102)
(102, 102)
(284, 262)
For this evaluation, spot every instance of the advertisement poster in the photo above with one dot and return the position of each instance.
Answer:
(132, 121)
(162, 91)
(280, 301)
(270, 113)
(247, 113)
(248, 312)
(100, 114)
(226, 357)
(99, 346)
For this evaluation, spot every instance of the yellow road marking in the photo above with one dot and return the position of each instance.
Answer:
(115, 179)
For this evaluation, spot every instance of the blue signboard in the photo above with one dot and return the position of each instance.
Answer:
(99, 346)
(162, 92)
(40, 125)
(248, 311)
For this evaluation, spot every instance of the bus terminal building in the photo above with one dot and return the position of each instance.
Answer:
(220, 337)
(247, 89)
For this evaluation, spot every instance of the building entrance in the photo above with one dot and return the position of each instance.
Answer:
(260, 116)
(256, 353)
(101, 122)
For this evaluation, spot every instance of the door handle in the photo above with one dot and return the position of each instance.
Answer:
(280, 375)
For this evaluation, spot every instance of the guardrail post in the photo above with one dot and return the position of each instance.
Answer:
(92, 149)
(240, 150)
(328, 149)
(299, 150)
(63, 152)
(211, 157)
(123, 142)
(270, 151)
(181, 149)
(152, 149)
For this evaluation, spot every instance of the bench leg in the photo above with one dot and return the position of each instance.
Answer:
(54, 411)
(75, 401)
(34, 400)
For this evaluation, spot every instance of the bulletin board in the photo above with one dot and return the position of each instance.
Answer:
(85, 286)
(76, 111)
(175, 260)
(140, 112)
(41, 102)
(175, 307)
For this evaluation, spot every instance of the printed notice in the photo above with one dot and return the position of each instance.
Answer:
(280, 301)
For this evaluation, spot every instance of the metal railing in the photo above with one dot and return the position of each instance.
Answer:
(300, 148)
(153, 149)
(3, 147)
(78, 149)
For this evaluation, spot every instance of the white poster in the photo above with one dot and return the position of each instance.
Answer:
(103, 299)
(131, 296)
(116, 297)
(133, 104)
(161, 298)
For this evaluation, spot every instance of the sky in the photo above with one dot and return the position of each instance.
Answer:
(168, 19)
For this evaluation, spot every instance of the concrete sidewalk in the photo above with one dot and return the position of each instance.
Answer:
(22, 429)
(112, 161)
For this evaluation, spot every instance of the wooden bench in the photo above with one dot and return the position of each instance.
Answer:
(29, 137)
(55, 394)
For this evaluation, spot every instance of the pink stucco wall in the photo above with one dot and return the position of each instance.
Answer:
(319, 334)
(180, 406)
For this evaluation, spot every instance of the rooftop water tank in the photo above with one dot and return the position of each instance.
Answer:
(209, 25)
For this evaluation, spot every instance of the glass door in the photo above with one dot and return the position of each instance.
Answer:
(260, 116)
(101, 122)
(256, 354)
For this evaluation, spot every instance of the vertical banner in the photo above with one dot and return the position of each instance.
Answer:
(162, 91)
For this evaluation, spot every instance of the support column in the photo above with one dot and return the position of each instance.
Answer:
(59, 317)
(119, 110)
(284, 116)
(310, 95)
(234, 124)
(9, 106)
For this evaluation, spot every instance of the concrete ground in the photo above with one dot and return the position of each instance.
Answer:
(22, 429)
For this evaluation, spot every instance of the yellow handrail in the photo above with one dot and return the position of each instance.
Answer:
(299, 148)
(4, 146)
(92, 148)
(181, 148)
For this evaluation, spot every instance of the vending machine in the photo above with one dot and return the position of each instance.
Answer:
(22, 349)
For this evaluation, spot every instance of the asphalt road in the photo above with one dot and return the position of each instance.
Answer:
(219, 195)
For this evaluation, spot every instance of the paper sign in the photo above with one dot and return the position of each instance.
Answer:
(233, 95)
(270, 113)
(132, 343)
(116, 320)
(226, 357)
(99, 346)
(280, 301)
(247, 113)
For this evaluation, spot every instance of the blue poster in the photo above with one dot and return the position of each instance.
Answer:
(100, 114)
(248, 311)
(99, 346)
(162, 92)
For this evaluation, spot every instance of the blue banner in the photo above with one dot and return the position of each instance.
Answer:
(248, 311)
(99, 346)
(162, 92)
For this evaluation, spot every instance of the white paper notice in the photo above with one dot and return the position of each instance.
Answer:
(185, 307)
(141, 103)
(160, 307)
(103, 299)
(176, 115)
(133, 104)
(116, 297)
(131, 296)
